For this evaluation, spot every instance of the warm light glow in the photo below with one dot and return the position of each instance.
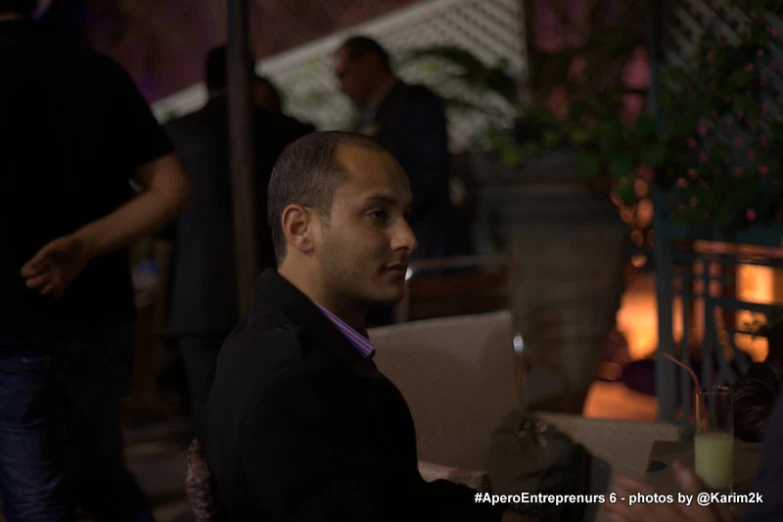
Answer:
(756, 284)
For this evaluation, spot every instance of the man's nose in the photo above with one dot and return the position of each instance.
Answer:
(403, 237)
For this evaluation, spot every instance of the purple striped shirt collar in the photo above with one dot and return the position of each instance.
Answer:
(359, 339)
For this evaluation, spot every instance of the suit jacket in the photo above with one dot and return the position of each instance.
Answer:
(203, 295)
(303, 428)
(411, 123)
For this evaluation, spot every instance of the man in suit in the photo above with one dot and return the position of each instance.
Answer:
(410, 121)
(302, 425)
(203, 297)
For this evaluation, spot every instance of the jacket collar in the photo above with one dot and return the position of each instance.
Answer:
(288, 307)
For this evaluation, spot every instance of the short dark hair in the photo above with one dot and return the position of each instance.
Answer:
(216, 64)
(22, 7)
(307, 174)
(359, 46)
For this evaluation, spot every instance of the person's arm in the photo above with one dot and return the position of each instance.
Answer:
(769, 476)
(165, 194)
(315, 452)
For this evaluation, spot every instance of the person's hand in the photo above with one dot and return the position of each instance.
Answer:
(56, 265)
(687, 483)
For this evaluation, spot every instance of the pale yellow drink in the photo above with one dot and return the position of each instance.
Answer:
(715, 459)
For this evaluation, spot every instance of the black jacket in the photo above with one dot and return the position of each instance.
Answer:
(303, 428)
(203, 282)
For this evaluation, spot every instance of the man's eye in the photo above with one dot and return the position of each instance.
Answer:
(377, 214)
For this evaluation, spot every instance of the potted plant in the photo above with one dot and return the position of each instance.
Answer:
(552, 174)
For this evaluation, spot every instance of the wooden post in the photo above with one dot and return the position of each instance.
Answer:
(240, 129)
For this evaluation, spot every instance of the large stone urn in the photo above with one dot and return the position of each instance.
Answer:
(569, 249)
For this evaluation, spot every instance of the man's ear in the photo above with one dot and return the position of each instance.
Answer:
(298, 226)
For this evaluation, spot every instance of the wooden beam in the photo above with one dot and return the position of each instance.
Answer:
(240, 129)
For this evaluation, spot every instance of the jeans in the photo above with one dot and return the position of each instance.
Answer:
(60, 433)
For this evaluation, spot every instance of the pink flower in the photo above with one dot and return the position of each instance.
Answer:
(693, 201)
(749, 67)
(740, 115)
(763, 170)
(692, 143)
(763, 139)
(702, 129)
(738, 141)
(751, 214)
(702, 157)
(738, 171)
(760, 52)
(751, 154)
(636, 73)
(773, 31)
(682, 183)
(693, 173)
(774, 64)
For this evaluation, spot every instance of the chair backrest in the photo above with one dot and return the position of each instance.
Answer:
(458, 376)
(454, 286)
(200, 485)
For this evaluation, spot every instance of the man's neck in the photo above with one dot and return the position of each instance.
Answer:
(352, 316)
(383, 89)
(9, 17)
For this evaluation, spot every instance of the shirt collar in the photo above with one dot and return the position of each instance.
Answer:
(360, 339)
(377, 99)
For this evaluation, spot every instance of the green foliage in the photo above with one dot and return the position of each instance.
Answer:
(713, 143)
(723, 165)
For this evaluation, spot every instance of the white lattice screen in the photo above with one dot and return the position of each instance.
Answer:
(686, 22)
(493, 30)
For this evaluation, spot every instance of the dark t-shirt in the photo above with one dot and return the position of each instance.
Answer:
(73, 130)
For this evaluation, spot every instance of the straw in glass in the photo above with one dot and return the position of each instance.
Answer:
(696, 383)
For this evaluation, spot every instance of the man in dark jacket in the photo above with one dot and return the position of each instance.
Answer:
(410, 121)
(203, 296)
(302, 425)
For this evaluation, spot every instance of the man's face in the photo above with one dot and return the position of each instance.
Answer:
(263, 96)
(358, 77)
(362, 249)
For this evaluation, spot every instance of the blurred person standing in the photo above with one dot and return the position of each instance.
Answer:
(203, 307)
(73, 131)
(410, 121)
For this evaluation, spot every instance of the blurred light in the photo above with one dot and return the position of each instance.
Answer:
(644, 212)
(519, 344)
(639, 260)
(408, 274)
(641, 187)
